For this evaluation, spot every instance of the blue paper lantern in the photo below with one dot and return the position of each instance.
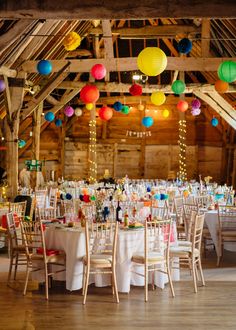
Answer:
(185, 46)
(62, 196)
(58, 122)
(214, 122)
(157, 196)
(147, 121)
(148, 189)
(118, 106)
(81, 197)
(49, 116)
(44, 67)
(21, 143)
(68, 196)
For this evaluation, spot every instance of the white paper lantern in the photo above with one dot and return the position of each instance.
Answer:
(78, 112)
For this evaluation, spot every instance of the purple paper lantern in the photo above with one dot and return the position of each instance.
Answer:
(196, 111)
(69, 111)
(2, 86)
(196, 104)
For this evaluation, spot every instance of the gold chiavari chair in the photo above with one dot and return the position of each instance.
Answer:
(19, 209)
(38, 257)
(190, 256)
(101, 244)
(155, 256)
(226, 227)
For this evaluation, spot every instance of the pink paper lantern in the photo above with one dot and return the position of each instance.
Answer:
(69, 111)
(98, 71)
(2, 85)
(196, 104)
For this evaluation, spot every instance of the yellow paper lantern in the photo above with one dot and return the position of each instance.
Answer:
(165, 113)
(152, 61)
(158, 98)
(141, 107)
(71, 41)
(89, 106)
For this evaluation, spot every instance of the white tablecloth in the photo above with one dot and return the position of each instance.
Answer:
(72, 241)
(211, 220)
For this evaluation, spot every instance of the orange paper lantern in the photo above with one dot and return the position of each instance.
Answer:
(221, 86)
(105, 113)
(89, 94)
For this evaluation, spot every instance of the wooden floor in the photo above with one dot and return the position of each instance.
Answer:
(213, 307)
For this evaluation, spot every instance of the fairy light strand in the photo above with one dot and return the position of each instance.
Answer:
(182, 150)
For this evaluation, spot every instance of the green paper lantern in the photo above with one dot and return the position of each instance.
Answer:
(93, 198)
(125, 109)
(178, 87)
(227, 71)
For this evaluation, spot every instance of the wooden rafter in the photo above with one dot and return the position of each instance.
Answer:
(130, 64)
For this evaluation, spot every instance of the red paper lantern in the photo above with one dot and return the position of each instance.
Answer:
(136, 90)
(89, 94)
(105, 113)
(221, 86)
(182, 106)
(98, 71)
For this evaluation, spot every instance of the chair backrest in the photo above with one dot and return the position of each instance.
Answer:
(190, 212)
(40, 197)
(178, 209)
(226, 218)
(197, 228)
(45, 214)
(160, 212)
(53, 197)
(202, 200)
(158, 235)
(101, 238)
(33, 237)
(19, 208)
(11, 231)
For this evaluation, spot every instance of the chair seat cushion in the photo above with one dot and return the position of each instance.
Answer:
(53, 259)
(99, 260)
(184, 243)
(153, 257)
(183, 251)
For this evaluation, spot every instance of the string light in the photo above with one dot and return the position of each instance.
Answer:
(92, 151)
(182, 150)
(138, 134)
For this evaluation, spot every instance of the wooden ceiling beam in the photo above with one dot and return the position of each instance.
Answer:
(150, 31)
(130, 64)
(215, 106)
(124, 88)
(128, 9)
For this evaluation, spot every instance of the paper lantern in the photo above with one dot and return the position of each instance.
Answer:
(221, 86)
(89, 106)
(21, 143)
(157, 196)
(147, 121)
(98, 71)
(49, 116)
(58, 122)
(125, 109)
(71, 41)
(136, 90)
(118, 106)
(69, 111)
(158, 98)
(105, 113)
(195, 104)
(78, 112)
(89, 94)
(227, 71)
(182, 106)
(68, 196)
(185, 46)
(214, 122)
(44, 67)
(152, 61)
(165, 113)
(2, 86)
(140, 107)
(178, 87)
(196, 111)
